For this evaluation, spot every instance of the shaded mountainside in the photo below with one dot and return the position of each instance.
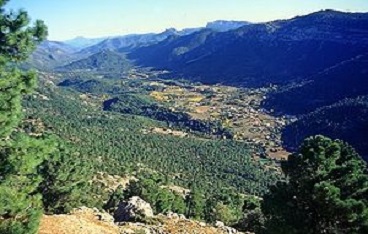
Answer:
(259, 54)
(346, 120)
(105, 61)
(166, 52)
(348, 79)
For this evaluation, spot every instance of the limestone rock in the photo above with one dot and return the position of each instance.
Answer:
(219, 224)
(133, 209)
(229, 230)
(202, 224)
(172, 215)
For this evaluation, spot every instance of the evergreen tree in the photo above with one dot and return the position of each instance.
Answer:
(20, 204)
(65, 180)
(195, 205)
(223, 213)
(164, 201)
(17, 41)
(178, 205)
(253, 219)
(326, 191)
(20, 155)
(114, 200)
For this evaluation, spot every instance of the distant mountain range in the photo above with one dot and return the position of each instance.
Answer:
(82, 42)
(145, 39)
(129, 42)
(225, 25)
(259, 54)
(50, 54)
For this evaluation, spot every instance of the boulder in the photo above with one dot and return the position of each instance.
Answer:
(172, 215)
(133, 209)
(229, 230)
(219, 224)
(202, 224)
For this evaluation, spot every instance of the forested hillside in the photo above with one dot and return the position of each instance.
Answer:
(346, 119)
(113, 137)
(348, 79)
(104, 62)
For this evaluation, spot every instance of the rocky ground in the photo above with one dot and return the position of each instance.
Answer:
(80, 221)
(92, 221)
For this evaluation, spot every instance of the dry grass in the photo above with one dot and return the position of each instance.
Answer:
(75, 224)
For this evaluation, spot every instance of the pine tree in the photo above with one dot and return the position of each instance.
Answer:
(178, 205)
(20, 204)
(195, 205)
(65, 180)
(17, 41)
(326, 191)
(20, 155)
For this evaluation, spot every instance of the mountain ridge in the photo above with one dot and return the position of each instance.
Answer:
(248, 53)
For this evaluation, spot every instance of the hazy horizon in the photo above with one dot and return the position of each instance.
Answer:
(69, 19)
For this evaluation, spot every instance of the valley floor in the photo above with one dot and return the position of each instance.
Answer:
(238, 109)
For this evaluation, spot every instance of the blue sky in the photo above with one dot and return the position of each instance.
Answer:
(95, 18)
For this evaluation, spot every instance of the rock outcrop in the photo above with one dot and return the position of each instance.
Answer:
(92, 221)
(133, 209)
(174, 224)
